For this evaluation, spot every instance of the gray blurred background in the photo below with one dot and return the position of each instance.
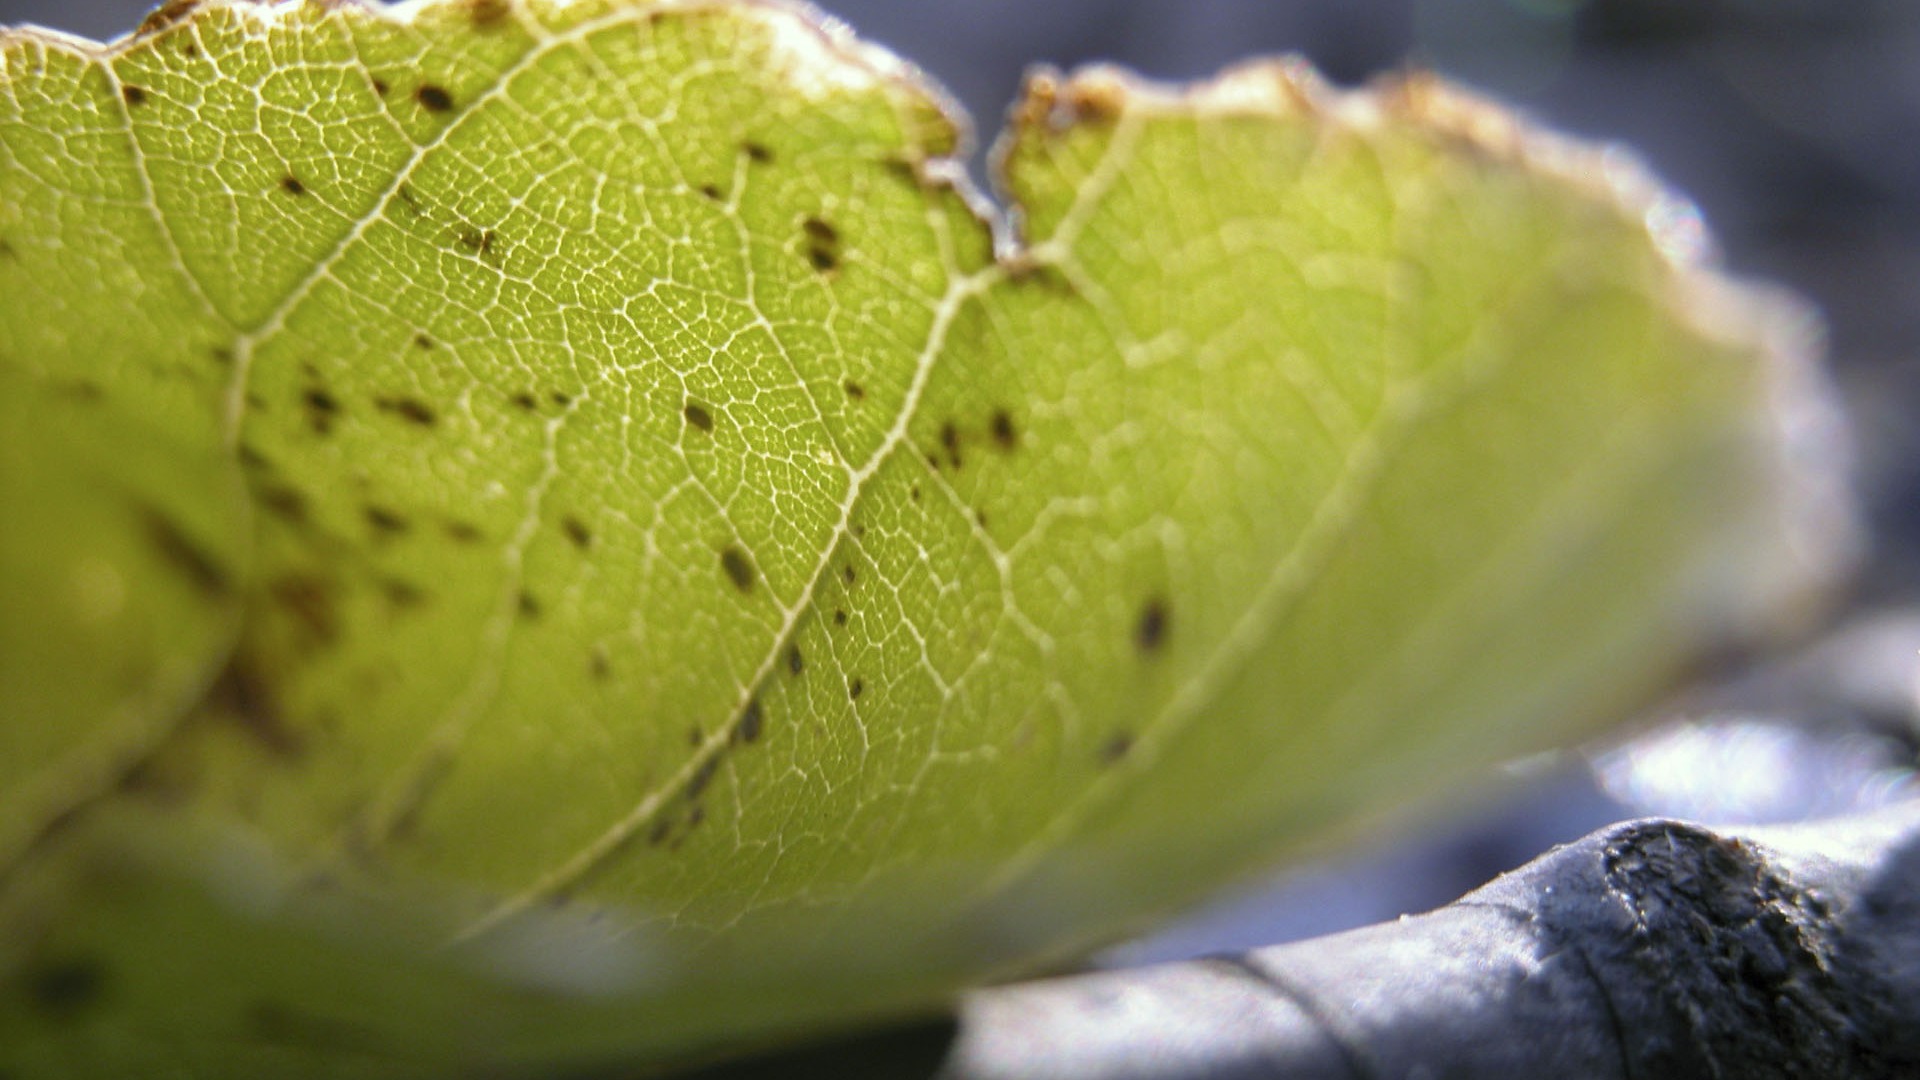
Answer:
(1796, 126)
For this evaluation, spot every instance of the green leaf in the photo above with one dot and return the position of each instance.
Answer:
(542, 532)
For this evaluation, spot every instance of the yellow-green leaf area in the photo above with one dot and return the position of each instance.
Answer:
(549, 532)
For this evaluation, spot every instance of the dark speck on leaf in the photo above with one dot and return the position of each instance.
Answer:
(698, 416)
(243, 694)
(695, 737)
(463, 532)
(184, 553)
(757, 153)
(750, 721)
(840, 617)
(133, 95)
(820, 231)
(854, 390)
(486, 14)
(1151, 631)
(385, 520)
(529, 605)
(402, 593)
(856, 688)
(1004, 434)
(286, 503)
(795, 662)
(380, 87)
(576, 531)
(433, 98)
(412, 410)
(166, 15)
(1116, 748)
(320, 401)
(914, 493)
(738, 567)
(312, 602)
(950, 441)
(823, 245)
(702, 777)
(523, 401)
(598, 663)
(65, 988)
(291, 185)
(660, 831)
(422, 341)
(848, 574)
(560, 399)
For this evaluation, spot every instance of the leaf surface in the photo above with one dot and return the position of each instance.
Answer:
(558, 530)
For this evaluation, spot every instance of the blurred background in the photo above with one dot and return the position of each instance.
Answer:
(1795, 124)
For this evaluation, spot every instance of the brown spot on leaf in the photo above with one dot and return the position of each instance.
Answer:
(487, 14)
(950, 442)
(854, 390)
(695, 736)
(479, 241)
(855, 688)
(560, 399)
(402, 594)
(63, 989)
(311, 601)
(384, 520)
(243, 695)
(410, 409)
(796, 663)
(291, 185)
(598, 663)
(914, 493)
(702, 776)
(322, 407)
(166, 15)
(823, 245)
(661, 829)
(840, 617)
(1150, 633)
(183, 553)
(422, 341)
(1005, 435)
(698, 416)
(285, 503)
(1116, 748)
(133, 95)
(577, 532)
(463, 532)
(848, 574)
(524, 401)
(380, 87)
(757, 152)
(738, 567)
(528, 605)
(750, 722)
(433, 98)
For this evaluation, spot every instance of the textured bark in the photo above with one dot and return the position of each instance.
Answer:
(1650, 949)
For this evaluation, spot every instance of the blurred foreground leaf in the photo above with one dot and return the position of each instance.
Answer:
(547, 532)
